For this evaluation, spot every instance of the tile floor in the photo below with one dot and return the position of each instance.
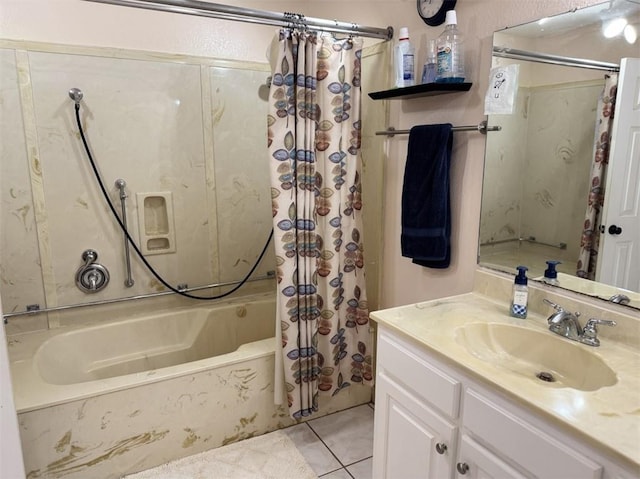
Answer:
(337, 446)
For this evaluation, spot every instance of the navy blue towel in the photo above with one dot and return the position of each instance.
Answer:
(426, 212)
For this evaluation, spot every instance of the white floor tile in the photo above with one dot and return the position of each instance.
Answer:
(339, 474)
(349, 433)
(362, 469)
(316, 454)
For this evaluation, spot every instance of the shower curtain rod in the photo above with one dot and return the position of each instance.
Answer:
(249, 15)
(482, 127)
(516, 54)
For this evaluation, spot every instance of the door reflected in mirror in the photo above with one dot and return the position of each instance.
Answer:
(545, 169)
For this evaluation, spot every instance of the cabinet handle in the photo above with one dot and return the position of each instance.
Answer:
(441, 448)
(462, 467)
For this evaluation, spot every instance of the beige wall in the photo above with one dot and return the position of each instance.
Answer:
(83, 23)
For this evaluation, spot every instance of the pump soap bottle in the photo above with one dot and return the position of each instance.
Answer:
(550, 274)
(520, 296)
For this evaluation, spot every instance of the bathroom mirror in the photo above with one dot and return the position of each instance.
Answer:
(537, 169)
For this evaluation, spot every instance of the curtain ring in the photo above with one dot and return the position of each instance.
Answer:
(290, 20)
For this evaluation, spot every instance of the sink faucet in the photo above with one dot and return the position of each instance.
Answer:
(563, 322)
(566, 323)
(620, 299)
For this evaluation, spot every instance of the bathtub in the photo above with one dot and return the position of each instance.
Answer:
(127, 392)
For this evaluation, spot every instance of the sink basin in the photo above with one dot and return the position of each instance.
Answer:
(540, 355)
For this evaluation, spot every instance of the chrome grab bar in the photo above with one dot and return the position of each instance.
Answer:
(121, 184)
(34, 309)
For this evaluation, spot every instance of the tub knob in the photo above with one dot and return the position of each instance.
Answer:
(91, 276)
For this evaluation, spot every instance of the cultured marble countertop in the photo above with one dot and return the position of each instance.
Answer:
(607, 418)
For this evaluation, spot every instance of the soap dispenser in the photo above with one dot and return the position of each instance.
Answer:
(520, 296)
(550, 274)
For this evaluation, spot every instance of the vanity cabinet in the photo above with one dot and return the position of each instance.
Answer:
(434, 421)
(414, 437)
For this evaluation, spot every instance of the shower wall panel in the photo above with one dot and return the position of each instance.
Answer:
(560, 150)
(539, 167)
(241, 168)
(193, 126)
(20, 273)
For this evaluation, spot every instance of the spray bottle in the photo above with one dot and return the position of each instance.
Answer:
(520, 297)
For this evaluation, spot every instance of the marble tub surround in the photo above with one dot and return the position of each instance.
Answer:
(606, 418)
(546, 205)
(125, 431)
(163, 123)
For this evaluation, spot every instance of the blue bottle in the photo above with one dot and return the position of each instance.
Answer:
(520, 297)
(550, 274)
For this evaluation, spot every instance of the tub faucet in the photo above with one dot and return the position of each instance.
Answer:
(566, 323)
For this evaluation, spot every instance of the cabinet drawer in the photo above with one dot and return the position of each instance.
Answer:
(526, 445)
(407, 365)
(484, 464)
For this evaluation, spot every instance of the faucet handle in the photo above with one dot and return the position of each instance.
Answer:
(555, 306)
(590, 331)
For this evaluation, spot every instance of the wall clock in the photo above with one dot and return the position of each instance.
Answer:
(433, 12)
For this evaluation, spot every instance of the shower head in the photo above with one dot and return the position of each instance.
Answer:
(76, 95)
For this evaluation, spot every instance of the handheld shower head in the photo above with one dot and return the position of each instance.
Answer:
(76, 95)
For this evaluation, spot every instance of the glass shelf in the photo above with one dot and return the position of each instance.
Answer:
(417, 91)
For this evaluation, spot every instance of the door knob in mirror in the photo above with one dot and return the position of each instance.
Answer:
(614, 230)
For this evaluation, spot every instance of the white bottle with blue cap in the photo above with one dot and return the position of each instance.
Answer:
(520, 297)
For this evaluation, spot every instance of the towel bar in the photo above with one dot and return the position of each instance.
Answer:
(482, 127)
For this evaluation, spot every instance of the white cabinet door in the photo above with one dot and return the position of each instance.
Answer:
(476, 462)
(411, 441)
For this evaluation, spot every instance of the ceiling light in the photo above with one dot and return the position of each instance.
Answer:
(614, 27)
(630, 34)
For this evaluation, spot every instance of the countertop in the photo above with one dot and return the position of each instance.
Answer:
(607, 418)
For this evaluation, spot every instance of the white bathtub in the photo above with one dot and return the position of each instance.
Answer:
(149, 343)
(127, 394)
(70, 363)
(131, 392)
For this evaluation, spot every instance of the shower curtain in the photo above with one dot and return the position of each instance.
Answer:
(314, 149)
(590, 240)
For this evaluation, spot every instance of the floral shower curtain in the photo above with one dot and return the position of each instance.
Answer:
(590, 241)
(314, 150)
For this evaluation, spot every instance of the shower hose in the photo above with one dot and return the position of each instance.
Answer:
(132, 242)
